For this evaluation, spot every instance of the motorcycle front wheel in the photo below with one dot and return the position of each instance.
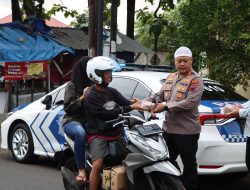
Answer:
(163, 181)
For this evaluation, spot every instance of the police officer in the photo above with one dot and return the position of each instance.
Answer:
(180, 95)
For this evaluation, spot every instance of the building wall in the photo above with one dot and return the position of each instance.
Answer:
(242, 92)
(146, 58)
(238, 89)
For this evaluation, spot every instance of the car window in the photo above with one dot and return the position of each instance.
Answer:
(216, 91)
(141, 92)
(60, 97)
(124, 85)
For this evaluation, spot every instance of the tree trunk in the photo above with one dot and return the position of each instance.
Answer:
(29, 8)
(130, 18)
(130, 26)
(156, 49)
(16, 11)
(113, 27)
(93, 12)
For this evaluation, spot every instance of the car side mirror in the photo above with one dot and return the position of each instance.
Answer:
(47, 101)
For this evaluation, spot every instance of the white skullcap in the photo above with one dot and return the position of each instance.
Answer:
(183, 51)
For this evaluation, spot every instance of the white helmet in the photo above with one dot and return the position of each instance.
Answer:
(96, 65)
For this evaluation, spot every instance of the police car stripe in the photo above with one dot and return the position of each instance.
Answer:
(31, 127)
(47, 131)
(230, 138)
(40, 127)
(38, 121)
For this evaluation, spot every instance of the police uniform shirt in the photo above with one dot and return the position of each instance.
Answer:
(245, 113)
(183, 96)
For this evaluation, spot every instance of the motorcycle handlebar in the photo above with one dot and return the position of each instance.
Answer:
(119, 118)
(124, 116)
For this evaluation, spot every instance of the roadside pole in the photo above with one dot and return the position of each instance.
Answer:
(113, 28)
(95, 28)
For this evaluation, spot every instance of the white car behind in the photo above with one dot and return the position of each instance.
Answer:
(35, 130)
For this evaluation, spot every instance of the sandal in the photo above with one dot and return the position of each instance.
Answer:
(82, 180)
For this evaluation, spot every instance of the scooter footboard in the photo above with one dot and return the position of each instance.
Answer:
(164, 167)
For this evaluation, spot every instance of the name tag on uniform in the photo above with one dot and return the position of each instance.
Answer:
(186, 80)
(166, 94)
(193, 85)
(167, 87)
(179, 95)
(181, 89)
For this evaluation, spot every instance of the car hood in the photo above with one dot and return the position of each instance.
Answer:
(19, 107)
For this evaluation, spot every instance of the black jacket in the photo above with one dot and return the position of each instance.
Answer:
(97, 110)
(73, 107)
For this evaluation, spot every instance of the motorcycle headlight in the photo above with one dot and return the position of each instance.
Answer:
(156, 154)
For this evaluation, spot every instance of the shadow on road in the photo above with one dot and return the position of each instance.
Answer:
(237, 181)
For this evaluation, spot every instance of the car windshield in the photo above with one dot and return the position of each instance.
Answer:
(216, 91)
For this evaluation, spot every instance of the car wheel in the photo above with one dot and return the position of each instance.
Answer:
(22, 147)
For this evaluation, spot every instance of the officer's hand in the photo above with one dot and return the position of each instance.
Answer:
(234, 112)
(159, 108)
(137, 106)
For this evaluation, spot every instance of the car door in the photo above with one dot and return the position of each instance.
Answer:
(49, 130)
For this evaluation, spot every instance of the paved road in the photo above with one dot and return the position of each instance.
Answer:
(224, 183)
(43, 175)
(40, 176)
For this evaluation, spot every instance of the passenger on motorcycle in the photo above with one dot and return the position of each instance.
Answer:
(103, 103)
(74, 119)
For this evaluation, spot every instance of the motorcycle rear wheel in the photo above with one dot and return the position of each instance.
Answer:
(70, 163)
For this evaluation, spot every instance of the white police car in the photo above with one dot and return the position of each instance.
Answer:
(35, 129)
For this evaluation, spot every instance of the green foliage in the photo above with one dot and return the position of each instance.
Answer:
(82, 20)
(61, 8)
(218, 30)
(164, 27)
(221, 29)
(35, 8)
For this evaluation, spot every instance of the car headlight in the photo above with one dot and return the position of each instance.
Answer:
(156, 154)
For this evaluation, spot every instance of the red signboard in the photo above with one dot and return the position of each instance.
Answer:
(14, 71)
(23, 70)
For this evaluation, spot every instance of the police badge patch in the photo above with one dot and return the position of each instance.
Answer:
(109, 105)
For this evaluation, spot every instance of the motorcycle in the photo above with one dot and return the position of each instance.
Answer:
(146, 163)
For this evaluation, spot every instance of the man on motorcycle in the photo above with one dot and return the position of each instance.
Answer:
(103, 103)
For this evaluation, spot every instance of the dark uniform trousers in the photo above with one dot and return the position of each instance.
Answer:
(248, 153)
(186, 146)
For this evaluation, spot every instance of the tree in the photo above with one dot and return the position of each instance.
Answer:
(82, 20)
(155, 22)
(34, 8)
(156, 30)
(216, 31)
(220, 29)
